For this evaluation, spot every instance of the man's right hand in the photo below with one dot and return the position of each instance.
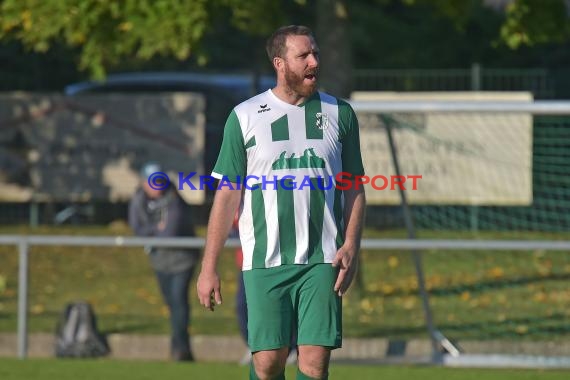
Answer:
(226, 202)
(209, 289)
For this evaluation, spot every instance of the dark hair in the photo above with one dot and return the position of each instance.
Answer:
(275, 45)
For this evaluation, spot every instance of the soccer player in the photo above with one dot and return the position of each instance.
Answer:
(300, 236)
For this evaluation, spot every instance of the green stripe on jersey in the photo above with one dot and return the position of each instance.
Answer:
(232, 160)
(312, 108)
(250, 143)
(316, 217)
(259, 227)
(280, 129)
(350, 139)
(286, 220)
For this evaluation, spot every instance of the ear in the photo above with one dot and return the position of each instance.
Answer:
(277, 63)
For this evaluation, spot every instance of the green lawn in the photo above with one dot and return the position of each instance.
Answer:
(52, 369)
(474, 294)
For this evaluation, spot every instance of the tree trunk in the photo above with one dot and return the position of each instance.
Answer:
(334, 42)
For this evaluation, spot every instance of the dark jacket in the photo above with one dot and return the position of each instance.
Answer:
(145, 214)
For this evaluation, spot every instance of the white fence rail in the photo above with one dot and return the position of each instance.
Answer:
(539, 107)
(25, 242)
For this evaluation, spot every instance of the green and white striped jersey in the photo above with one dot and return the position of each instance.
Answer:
(299, 219)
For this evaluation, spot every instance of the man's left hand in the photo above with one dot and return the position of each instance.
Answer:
(347, 260)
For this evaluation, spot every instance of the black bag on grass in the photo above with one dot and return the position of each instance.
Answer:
(77, 335)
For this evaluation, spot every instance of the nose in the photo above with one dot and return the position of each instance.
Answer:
(313, 60)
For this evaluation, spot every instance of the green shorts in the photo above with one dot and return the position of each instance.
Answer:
(280, 298)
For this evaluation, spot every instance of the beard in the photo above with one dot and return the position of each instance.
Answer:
(297, 84)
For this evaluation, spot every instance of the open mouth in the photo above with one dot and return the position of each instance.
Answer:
(311, 77)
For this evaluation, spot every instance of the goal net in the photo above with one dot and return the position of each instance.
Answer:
(494, 167)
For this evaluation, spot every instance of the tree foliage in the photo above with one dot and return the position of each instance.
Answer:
(227, 34)
(107, 31)
(526, 22)
(531, 22)
(257, 17)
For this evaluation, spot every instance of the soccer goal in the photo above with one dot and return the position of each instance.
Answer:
(481, 183)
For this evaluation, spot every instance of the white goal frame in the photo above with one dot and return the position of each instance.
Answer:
(452, 355)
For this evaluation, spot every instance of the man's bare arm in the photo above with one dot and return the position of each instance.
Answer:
(354, 210)
(226, 202)
(347, 255)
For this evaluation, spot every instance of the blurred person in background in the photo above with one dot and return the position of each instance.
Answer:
(159, 211)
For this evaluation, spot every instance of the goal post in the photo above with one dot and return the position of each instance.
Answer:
(487, 166)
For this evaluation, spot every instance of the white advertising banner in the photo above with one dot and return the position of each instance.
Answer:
(463, 158)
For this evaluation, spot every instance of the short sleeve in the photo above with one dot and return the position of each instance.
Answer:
(350, 139)
(232, 160)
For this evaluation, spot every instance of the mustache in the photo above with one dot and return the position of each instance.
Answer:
(314, 72)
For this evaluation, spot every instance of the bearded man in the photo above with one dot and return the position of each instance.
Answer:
(300, 241)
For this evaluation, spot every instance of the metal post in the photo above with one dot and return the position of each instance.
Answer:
(435, 341)
(475, 77)
(23, 299)
(474, 213)
(34, 214)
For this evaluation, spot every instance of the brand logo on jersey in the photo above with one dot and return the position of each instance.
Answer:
(263, 108)
(322, 120)
(309, 159)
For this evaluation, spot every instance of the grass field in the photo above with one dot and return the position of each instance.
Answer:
(12, 369)
(474, 294)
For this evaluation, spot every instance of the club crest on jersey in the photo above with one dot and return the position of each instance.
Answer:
(322, 120)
